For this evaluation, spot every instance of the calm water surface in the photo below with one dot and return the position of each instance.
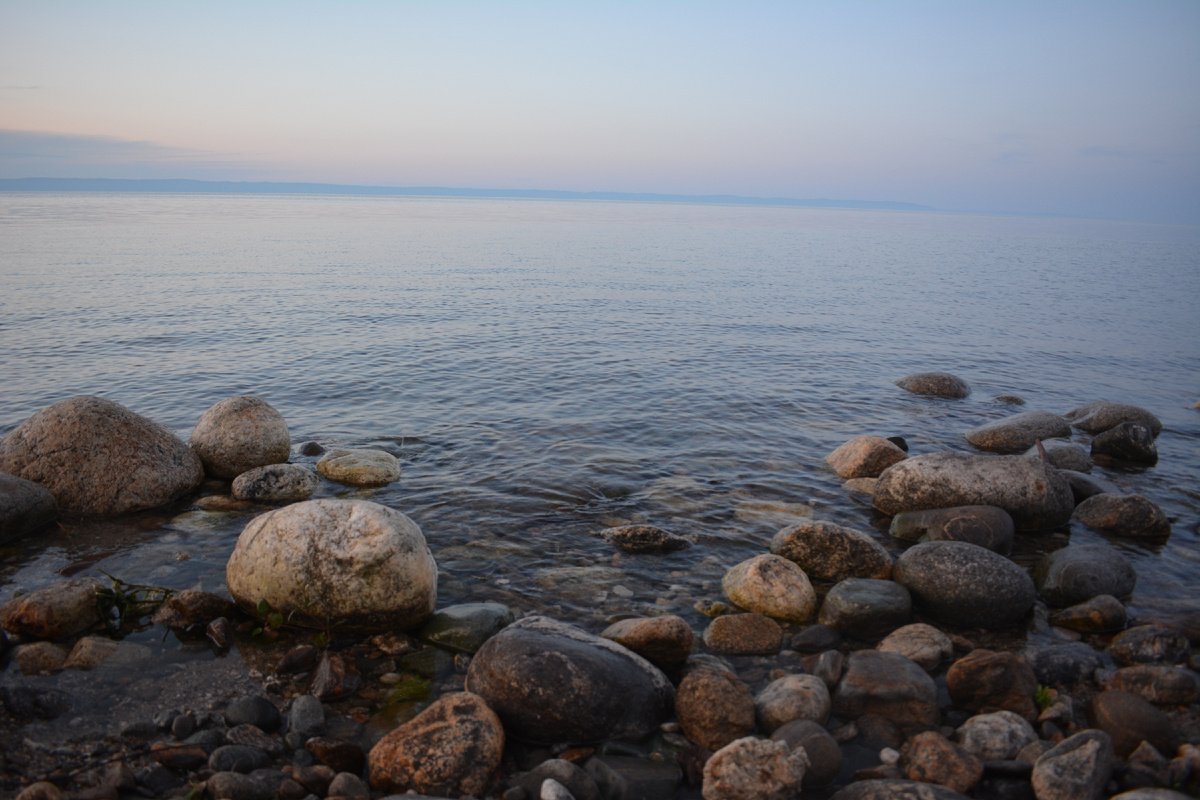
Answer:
(545, 369)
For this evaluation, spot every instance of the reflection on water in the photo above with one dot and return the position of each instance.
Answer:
(543, 370)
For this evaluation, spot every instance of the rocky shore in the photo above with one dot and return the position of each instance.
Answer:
(830, 667)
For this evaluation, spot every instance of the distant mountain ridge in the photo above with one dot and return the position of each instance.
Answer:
(265, 187)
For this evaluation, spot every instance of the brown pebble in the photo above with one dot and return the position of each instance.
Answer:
(744, 634)
(340, 756)
(180, 756)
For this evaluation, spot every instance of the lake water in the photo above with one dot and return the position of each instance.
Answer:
(546, 369)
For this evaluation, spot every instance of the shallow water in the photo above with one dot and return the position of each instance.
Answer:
(545, 369)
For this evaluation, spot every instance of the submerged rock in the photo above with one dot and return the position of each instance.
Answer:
(1084, 486)
(24, 507)
(1158, 684)
(1080, 572)
(1063, 455)
(1101, 614)
(463, 628)
(938, 384)
(771, 585)
(239, 434)
(1034, 494)
(1019, 433)
(98, 457)
(865, 608)
(1129, 441)
(664, 641)
(965, 584)
(1149, 644)
(276, 483)
(191, 610)
(349, 564)
(55, 612)
(986, 526)
(551, 682)
(364, 467)
(643, 539)
(1100, 416)
(1128, 515)
(832, 552)
(864, 457)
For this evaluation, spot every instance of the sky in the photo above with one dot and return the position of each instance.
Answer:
(1087, 109)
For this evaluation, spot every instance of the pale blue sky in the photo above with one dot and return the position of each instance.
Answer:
(1079, 108)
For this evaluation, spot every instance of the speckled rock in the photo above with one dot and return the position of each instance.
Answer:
(98, 457)
(643, 539)
(363, 467)
(923, 644)
(1100, 416)
(743, 635)
(864, 457)
(239, 434)
(890, 686)
(1077, 768)
(24, 507)
(790, 698)
(824, 754)
(1033, 493)
(1018, 433)
(986, 526)
(1131, 720)
(965, 584)
(714, 708)
(1158, 684)
(1080, 572)
(1149, 644)
(931, 758)
(90, 652)
(988, 681)
(276, 483)
(864, 608)
(463, 628)
(1101, 614)
(1064, 454)
(832, 552)
(452, 748)
(1064, 665)
(351, 563)
(1129, 442)
(998, 736)
(896, 789)
(664, 641)
(1128, 515)
(1084, 486)
(771, 585)
(552, 682)
(754, 769)
(938, 384)
(55, 612)
(40, 658)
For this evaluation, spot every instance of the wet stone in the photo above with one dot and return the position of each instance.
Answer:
(890, 686)
(1084, 486)
(866, 609)
(363, 467)
(191, 610)
(1161, 685)
(183, 726)
(570, 777)
(253, 710)
(236, 786)
(251, 736)
(754, 768)
(307, 716)
(816, 639)
(1100, 416)
(864, 457)
(26, 702)
(714, 708)
(311, 449)
(931, 758)
(997, 736)
(179, 756)
(1063, 665)
(988, 681)
(986, 526)
(1018, 433)
(937, 384)
(219, 634)
(300, 658)
(1101, 614)
(55, 612)
(90, 652)
(1063, 455)
(1131, 720)
(923, 644)
(643, 539)
(239, 434)
(338, 755)
(1149, 644)
(829, 667)
(790, 698)
(276, 483)
(771, 585)
(832, 552)
(464, 628)
(1129, 441)
(39, 658)
(965, 584)
(335, 678)
(1078, 573)
(237, 758)
(664, 641)
(1128, 515)
(24, 507)
(743, 634)
(824, 755)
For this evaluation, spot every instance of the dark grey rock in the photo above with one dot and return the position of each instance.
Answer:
(464, 628)
(347, 784)
(824, 755)
(899, 442)
(1129, 441)
(1034, 494)
(890, 686)
(1100, 416)
(1063, 665)
(158, 779)
(551, 682)
(257, 711)
(1080, 572)
(1128, 515)
(864, 608)
(986, 526)
(251, 736)
(276, 483)
(937, 384)
(1018, 433)
(236, 786)
(237, 758)
(965, 584)
(311, 449)
(577, 781)
(1063, 454)
(643, 539)
(816, 639)
(1084, 486)
(306, 717)
(1149, 644)
(27, 702)
(209, 739)
(896, 789)
(24, 507)
(183, 726)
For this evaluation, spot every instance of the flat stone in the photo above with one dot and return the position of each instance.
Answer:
(364, 467)
(1131, 720)
(1018, 433)
(997, 736)
(239, 434)
(1128, 515)
(771, 585)
(790, 698)
(55, 612)
(890, 686)
(463, 628)
(937, 384)
(643, 539)
(1101, 614)
(743, 635)
(964, 584)
(24, 507)
(923, 644)
(1128, 442)
(1100, 416)
(1078, 768)
(867, 609)
(1149, 644)
(1161, 685)
(276, 483)
(714, 708)
(986, 526)
(864, 457)
(931, 758)
(1033, 493)
(1078, 573)
(832, 552)
(664, 641)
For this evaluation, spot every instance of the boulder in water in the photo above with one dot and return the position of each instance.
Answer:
(24, 507)
(1100, 416)
(864, 457)
(1063, 455)
(352, 564)
(239, 434)
(1129, 441)
(937, 384)
(866, 608)
(98, 457)
(1080, 572)
(890, 686)
(1019, 433)
(832, 552)
(965, 584)
(1129, 515)
(55, 612)
(986, 526)
(664, 641)
(365, 467)
(771, 585)
(276, 483)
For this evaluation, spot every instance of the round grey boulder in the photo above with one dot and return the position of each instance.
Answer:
(351, 564)
(964, 584)
(98, 457)
(864, 608)
(1033, 493)
(1084, 485)
(365, 467)
(1063, 454)
(792, 697)
(1100, 416)
(986, 526)
(1080, 572)
(24, 507)
(937, 384)
(1129, 441)
(1018, 433)
(1129, 515)
(276, 483)
(550, 682)
(239, 434)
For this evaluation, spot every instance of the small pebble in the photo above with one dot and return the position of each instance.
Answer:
(183, 726)
(889, 756)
